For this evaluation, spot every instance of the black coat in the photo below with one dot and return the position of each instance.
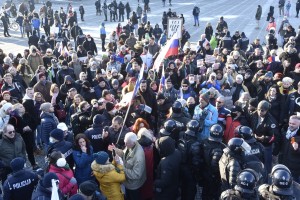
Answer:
(94, 134)
(167, 178)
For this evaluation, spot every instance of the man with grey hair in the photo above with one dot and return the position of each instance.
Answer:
(134, 165)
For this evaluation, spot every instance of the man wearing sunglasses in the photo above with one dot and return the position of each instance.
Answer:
(11, 146)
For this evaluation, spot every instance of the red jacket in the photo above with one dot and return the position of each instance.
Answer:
(147, 188)
(230, 127)
(64, 177)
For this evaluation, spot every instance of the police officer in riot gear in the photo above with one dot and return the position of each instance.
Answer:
(282, 186)
(211, 152)
(178, 113)
(245, 188)
(246, 133)
(189, 147)
(231, 162)
(172, 128)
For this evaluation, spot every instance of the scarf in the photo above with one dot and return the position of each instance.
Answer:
(290, 134)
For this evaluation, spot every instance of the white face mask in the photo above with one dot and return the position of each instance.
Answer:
(89, 39)
(51, 140)
(191, 79)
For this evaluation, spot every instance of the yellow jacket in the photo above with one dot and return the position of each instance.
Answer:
(110, 180)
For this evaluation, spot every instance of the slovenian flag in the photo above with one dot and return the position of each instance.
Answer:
(162, 80)
(170, 49)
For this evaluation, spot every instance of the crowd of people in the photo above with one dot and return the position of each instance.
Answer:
(223, 116)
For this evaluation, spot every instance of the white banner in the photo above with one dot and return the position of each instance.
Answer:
(175, 25)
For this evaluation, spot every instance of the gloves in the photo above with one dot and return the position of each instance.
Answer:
(73, 181)
(204, 114)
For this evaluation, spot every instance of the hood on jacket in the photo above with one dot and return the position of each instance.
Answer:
(103, 169)
(165, 146)
(68, 78)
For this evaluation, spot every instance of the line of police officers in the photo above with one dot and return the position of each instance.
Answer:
(232, 171)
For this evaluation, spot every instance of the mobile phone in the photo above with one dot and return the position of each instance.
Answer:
(113, 153)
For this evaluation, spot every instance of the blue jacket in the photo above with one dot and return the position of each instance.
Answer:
(211, 118)
(94, 134)
(83, 163)
(20, 185)
(65, 148)
(48, 123)
(209, 85)
(36, 23)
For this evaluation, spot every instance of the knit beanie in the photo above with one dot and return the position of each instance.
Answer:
(101, 157)
(88, 188)
(17, 164)
(98, 119)
(109, 106)
(57, 134)
(46, 182)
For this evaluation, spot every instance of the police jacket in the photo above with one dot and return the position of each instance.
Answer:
(42, 193)
(192, 148)
(244, 43)
(20, 185)
(265, 132)
(227, 43)
(266, 193)
(94, 134)
(230, 166)
(65, 148)
(212, 152)
(257, 149)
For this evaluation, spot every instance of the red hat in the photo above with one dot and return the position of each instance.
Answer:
(5, 92)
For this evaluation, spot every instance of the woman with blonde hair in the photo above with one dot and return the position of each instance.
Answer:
(75, 105)
(25, 70)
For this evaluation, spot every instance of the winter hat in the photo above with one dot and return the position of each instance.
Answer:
(45, 107)
(101, 157)
(77, 197)
(101, 79)
(263, 105)
(160, 96)
(6, 106)
(88, 188)
(236, 109)
(17, 164)
(269, 74)
(61, 162)
(86, 84)
(46, 182)
(62, 126)
(253, 102)
(5, 92)
(41, 74)
(239, 76)
(98, 119)
(109, 106)
(249, 71)
(205, 97)
(57, 134)
(115, 82)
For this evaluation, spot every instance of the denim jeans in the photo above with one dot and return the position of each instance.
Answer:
(22, 30)
(196, 19)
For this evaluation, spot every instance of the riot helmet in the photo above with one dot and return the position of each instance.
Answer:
(244, 132)
(246, 181)
(238, 145)
(177, 107)
(282, 180)
(169, 127)
(216, 133)
(192, 128)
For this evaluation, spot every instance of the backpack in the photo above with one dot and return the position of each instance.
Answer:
(197, 10)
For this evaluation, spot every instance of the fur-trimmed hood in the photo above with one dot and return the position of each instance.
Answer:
(103, 169)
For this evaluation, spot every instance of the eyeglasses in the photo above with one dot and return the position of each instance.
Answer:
(184, 86)
(10, 132)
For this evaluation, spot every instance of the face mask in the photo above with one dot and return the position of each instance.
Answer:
(89, 39)
(51, 140)
(233, 115)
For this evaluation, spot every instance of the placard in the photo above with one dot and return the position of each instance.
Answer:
(174, 25)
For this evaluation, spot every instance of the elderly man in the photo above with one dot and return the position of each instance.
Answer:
(5, 111)
(11, 146)
(134, 165)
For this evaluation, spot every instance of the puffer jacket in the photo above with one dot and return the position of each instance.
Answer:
(83, 163)
(110, 178)
(64, 176)
(48, 123)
